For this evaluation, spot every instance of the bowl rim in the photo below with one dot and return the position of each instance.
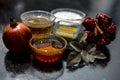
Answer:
(69, 10)
(61, 49)
(37, 11)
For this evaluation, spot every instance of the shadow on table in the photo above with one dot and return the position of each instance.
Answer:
(17, 63)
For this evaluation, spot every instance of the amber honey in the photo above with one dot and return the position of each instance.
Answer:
(51, 55)
(49, 49)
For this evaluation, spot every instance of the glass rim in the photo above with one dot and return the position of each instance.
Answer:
(79, 12)
(37, 11)
(65, 45)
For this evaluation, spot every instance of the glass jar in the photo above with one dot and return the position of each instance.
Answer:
(68, 22)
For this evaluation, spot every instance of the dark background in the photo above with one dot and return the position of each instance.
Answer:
(16, 7)
(108, 71)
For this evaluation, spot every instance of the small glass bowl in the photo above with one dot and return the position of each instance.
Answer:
(48, 49)
(40, 22)
(68, 22)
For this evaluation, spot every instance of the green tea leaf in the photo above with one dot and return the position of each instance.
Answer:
(90, 58)
(91, 47)
(98, 55)
(84, 56)
(76, 46)
(82, 37)
(73, 59)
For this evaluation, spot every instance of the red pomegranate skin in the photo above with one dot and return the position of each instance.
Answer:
(16, 38)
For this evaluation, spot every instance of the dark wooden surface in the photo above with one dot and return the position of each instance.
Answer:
(21, 69)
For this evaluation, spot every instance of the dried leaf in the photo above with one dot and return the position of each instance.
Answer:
(91, 47)
(73, 59)
(76, 46)
(90, 58)
(83, 52)
(98, 55)
(84, 56)
(82, 37)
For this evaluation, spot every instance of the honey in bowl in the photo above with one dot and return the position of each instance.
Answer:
(49, 49)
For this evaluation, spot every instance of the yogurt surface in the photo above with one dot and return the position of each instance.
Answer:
(67, 15)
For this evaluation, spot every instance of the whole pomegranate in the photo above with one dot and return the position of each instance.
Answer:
(16, 36)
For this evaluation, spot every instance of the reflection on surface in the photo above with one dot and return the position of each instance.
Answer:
(98, 62)
(47, 71)
(22, 67)
(17, 63)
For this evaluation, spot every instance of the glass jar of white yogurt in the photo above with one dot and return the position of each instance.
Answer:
(68, 22)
